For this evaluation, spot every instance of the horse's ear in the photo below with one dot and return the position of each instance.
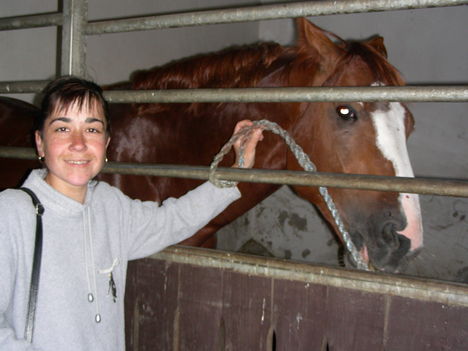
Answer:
(313, 38)
(377, 43)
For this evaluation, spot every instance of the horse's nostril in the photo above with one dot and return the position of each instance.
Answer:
(389, 234)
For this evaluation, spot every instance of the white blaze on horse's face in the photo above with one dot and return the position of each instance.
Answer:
(391, 140)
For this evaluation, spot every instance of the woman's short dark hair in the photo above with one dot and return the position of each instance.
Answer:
(66, 91)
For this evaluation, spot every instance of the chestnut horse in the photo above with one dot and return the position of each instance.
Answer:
(355, 137)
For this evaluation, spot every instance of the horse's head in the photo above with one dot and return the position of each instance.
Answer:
(359, 138)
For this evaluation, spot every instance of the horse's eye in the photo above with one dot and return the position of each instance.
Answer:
(346, 112)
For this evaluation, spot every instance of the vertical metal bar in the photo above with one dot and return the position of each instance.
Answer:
(75, 13)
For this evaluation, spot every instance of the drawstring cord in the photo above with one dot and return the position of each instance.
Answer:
(92, 291)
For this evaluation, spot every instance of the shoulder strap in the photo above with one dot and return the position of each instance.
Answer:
(36, 267)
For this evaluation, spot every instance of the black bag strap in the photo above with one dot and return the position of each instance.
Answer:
(36, 267)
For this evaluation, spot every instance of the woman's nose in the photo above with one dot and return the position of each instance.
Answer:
(78, 141)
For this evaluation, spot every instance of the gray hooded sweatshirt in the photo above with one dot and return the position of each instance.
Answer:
(82, 245)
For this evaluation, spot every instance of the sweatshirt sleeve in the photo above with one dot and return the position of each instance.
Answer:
(8, 264)
(153, 227)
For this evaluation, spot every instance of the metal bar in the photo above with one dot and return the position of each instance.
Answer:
(445, 187)
(256, 13)
(32, 21)
(311, 94)
(377, 283)
(73, 59)
(25, 86)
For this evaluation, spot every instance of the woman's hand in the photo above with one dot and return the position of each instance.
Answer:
(245, 146)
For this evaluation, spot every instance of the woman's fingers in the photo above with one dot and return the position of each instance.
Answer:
(245, 146)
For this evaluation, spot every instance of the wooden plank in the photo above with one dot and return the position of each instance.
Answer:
(354, 320)
(246, 312)
(418, 325)
(199, 308)
(151, 304)
(300, 317)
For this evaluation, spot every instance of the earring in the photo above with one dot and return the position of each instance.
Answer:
(41, 158)
(107, 160)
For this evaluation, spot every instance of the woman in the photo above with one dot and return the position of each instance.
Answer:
(91, 229)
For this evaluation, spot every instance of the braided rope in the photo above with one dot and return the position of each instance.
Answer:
(304, 161)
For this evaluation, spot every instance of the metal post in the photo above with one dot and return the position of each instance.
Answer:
(75, 13)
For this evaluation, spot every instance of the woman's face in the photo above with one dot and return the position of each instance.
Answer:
(73, 143)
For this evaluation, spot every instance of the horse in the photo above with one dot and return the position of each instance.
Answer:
(354, 137)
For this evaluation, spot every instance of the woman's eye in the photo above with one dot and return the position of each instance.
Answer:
(346, 112)
(61, 129)
(94, 130)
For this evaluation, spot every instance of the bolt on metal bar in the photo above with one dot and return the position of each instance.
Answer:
(31, 21)
(394, 285)
(443, 187)
(311, 94)
(256, 13)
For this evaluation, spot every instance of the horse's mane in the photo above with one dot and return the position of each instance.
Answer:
(235, 67)
(245, 66)
(377, 61)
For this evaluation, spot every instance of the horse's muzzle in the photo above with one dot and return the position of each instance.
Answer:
(386, 249)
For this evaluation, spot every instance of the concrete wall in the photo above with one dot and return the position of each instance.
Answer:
(428, 46)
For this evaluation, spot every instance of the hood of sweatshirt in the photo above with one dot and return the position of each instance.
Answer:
(55, 200)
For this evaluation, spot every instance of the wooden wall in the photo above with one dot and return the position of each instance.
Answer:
(185, 306)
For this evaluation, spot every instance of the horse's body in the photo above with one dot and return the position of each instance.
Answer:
(365, 138)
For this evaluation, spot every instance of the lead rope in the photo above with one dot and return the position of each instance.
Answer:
(305, 162)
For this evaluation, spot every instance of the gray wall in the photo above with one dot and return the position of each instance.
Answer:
(428, 46)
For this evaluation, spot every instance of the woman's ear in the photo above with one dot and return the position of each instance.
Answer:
(108, 141)
(39, 143)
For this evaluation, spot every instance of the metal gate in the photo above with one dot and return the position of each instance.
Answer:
(195, 299)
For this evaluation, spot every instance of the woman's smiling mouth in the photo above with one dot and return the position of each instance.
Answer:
(77, 162)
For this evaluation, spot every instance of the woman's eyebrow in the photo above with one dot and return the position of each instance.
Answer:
(68, 120)
(60, 119)
(94, 119)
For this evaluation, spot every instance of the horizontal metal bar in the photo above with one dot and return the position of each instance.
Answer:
(22, 153)
(256, 13)
(253, 13)
(445, 187)
(31, 21)
(23, 86)
(312, 94)
(378, 283)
